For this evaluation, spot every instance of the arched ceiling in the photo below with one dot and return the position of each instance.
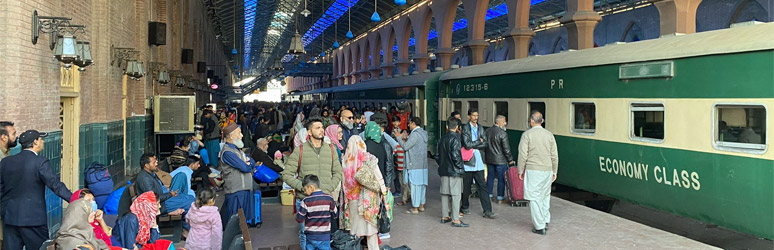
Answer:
(272, 23)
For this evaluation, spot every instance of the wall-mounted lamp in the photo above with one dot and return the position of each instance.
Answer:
(180, 82)
(135, 70)
(68, 49)
(84, 55)
(158, 70)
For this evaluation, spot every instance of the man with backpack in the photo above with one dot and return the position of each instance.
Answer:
(317, 157)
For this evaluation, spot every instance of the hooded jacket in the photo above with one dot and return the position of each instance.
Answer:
(206, 228)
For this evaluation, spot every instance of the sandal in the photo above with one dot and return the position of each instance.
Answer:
(421, 209)
(410, 212)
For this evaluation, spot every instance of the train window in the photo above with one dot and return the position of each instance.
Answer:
(472, 105)
(538, 106)
(500, 108)
(457, 106)
(584, 117)
(741, 126)
(647, 121)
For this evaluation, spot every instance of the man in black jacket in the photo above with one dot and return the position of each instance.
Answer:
(498, 157)
(23, 181)
(451, 171)
(473, 137)
(148, 181)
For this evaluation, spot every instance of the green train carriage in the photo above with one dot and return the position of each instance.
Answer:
(419, 91)
(679, 124)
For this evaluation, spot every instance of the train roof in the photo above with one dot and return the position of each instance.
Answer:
(754, 37)
(398, 82)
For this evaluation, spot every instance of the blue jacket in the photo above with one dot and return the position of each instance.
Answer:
(23, 181)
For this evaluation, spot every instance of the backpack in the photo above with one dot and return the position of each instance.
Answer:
(97, 178)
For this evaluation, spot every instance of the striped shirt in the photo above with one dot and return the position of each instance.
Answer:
(316, 212)
(399, 155)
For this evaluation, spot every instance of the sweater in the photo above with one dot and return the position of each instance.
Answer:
(537, 151)
(316, 212)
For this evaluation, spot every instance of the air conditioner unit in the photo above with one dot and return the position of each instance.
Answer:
(174, 114)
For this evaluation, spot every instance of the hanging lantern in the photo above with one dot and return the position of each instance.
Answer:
(234, 51)
(277, 64)
(336, 44)
(400, 2)
(163, 77)
(296, 45)
(65, 50)
(130, 69)
(180, 82)
(375, 17)
(84, 55)
(236, 66)
(349, 34)
(305, 12)
(322, 54)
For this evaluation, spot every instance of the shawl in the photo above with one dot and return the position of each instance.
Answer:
(332, 132)
(373, 132)
(299, 123)
(98, 232)
(354, 157)
(75, 229)
(145, 208)
(300, 138)
(357, 161)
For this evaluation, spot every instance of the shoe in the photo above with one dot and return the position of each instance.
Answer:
(461, 214)
(541, 231)
(445, 220)
(490, 215)
(461, 224)
(384, 236)
(501, 202)
(465, 211)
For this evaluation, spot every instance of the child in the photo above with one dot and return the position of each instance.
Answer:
(316, 211)
(206, 228)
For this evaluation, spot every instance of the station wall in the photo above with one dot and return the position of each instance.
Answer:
(104, 116)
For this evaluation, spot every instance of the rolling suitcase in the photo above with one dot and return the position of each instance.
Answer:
(255, 221)
(515, 187)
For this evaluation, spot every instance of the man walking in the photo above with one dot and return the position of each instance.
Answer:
(538, 155)
(23, 181)
(473, 139)
(313, 157)
(415, 172)
(498, 157)
(451, 171)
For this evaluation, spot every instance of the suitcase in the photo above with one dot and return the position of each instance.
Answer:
(515, 187)
(255, 221)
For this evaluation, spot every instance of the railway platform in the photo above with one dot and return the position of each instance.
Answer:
(572, 226)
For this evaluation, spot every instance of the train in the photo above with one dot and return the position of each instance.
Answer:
(679, 124)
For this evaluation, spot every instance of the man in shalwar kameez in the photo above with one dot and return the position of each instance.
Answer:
(237, 169)
(538, 164)
(415, 173)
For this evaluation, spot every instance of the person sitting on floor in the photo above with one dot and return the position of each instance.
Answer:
(75, 230)
(100, 228)
(206, 226)
(138, 229)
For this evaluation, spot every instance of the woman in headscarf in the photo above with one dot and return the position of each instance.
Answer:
(335, 133)
(100, 228)
(75, 229)
(378, 146)
(364, 191)
(138, 227)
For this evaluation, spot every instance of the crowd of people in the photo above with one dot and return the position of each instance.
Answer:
(345, 167)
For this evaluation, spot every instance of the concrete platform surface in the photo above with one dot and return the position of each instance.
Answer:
(572, 227)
